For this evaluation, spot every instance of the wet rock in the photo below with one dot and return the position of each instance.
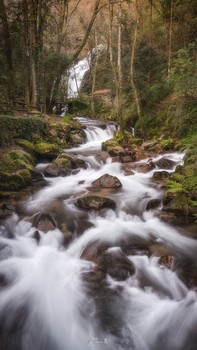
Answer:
(161, 175)
(108, 260)
(63, 165)
(186, 268)
(7, 210)
(75, 162)
(36, 236)
(172, 216)
(93, 251)
(153, 203)
(145, 167)
(44, 222)
(95, 202)
(106, 181)
(167, 261)
(116, 151)
(77, 137)
(59, 167)
(135, 246)
(114, 262)
(165, 163)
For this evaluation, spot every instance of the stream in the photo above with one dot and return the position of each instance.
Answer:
(55, 293)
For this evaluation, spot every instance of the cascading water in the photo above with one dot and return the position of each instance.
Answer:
(77, 72)
(52, 299)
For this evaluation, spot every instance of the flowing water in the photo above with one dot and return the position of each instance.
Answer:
(77, 72)
(48, 297)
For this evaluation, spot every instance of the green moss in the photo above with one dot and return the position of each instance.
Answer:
(23, 127)
(47, 149)
(9, 182)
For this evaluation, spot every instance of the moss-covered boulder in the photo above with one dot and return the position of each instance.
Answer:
(16, 169)
(46, 150)
(63, 165)
(59, 167)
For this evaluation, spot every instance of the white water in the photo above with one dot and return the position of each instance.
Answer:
(77, 72)
(45, 304)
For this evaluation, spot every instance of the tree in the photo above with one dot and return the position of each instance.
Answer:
(7, 49)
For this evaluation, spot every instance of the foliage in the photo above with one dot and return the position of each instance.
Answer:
(20, 127)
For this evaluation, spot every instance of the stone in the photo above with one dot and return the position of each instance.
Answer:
(161, 175)
(153, 203)
(107, 181)
(59, 167)
(7, 210)
(44, 222)
(95, 202)
(46, 150)
(109, 260)
(114, 262)
(144, 167)
(165, 163)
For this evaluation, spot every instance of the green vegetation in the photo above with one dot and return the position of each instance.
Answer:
(25, 127)
(16, 170)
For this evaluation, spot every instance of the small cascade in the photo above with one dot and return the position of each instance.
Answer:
(54, 295)
(77, 72)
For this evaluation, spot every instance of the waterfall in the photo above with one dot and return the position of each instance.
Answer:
(77, 72)
(50, 298)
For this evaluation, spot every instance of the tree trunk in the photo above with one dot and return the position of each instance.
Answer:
(119, 68)
(7, 50)
(94, 69)
(170, 41)
(132, 74)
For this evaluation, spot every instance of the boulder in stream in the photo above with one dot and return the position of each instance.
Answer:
(109, 260)
(44, 222)
(63, 165)
(95, 202)
(165, 163)
(106, 181)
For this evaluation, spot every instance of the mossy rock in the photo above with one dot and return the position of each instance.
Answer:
(16, 170)
(16, 159)
(47, 150)
(59, 167)
(27, 146)
(15, 181)
(111, 144)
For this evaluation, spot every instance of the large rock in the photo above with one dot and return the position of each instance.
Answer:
(44, 222)
(7, 210)
(95, 202)
(59, 167)
(165, 163)
(46, 150)
(77, 137)
(161, 175)
(145, 167)
(108, 260)
(63, 165)
(75, 162)
(106, 181)
(114, 262)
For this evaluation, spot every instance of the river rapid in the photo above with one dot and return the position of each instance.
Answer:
(51, 299)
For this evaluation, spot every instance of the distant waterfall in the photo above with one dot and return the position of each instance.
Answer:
(77, 71)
